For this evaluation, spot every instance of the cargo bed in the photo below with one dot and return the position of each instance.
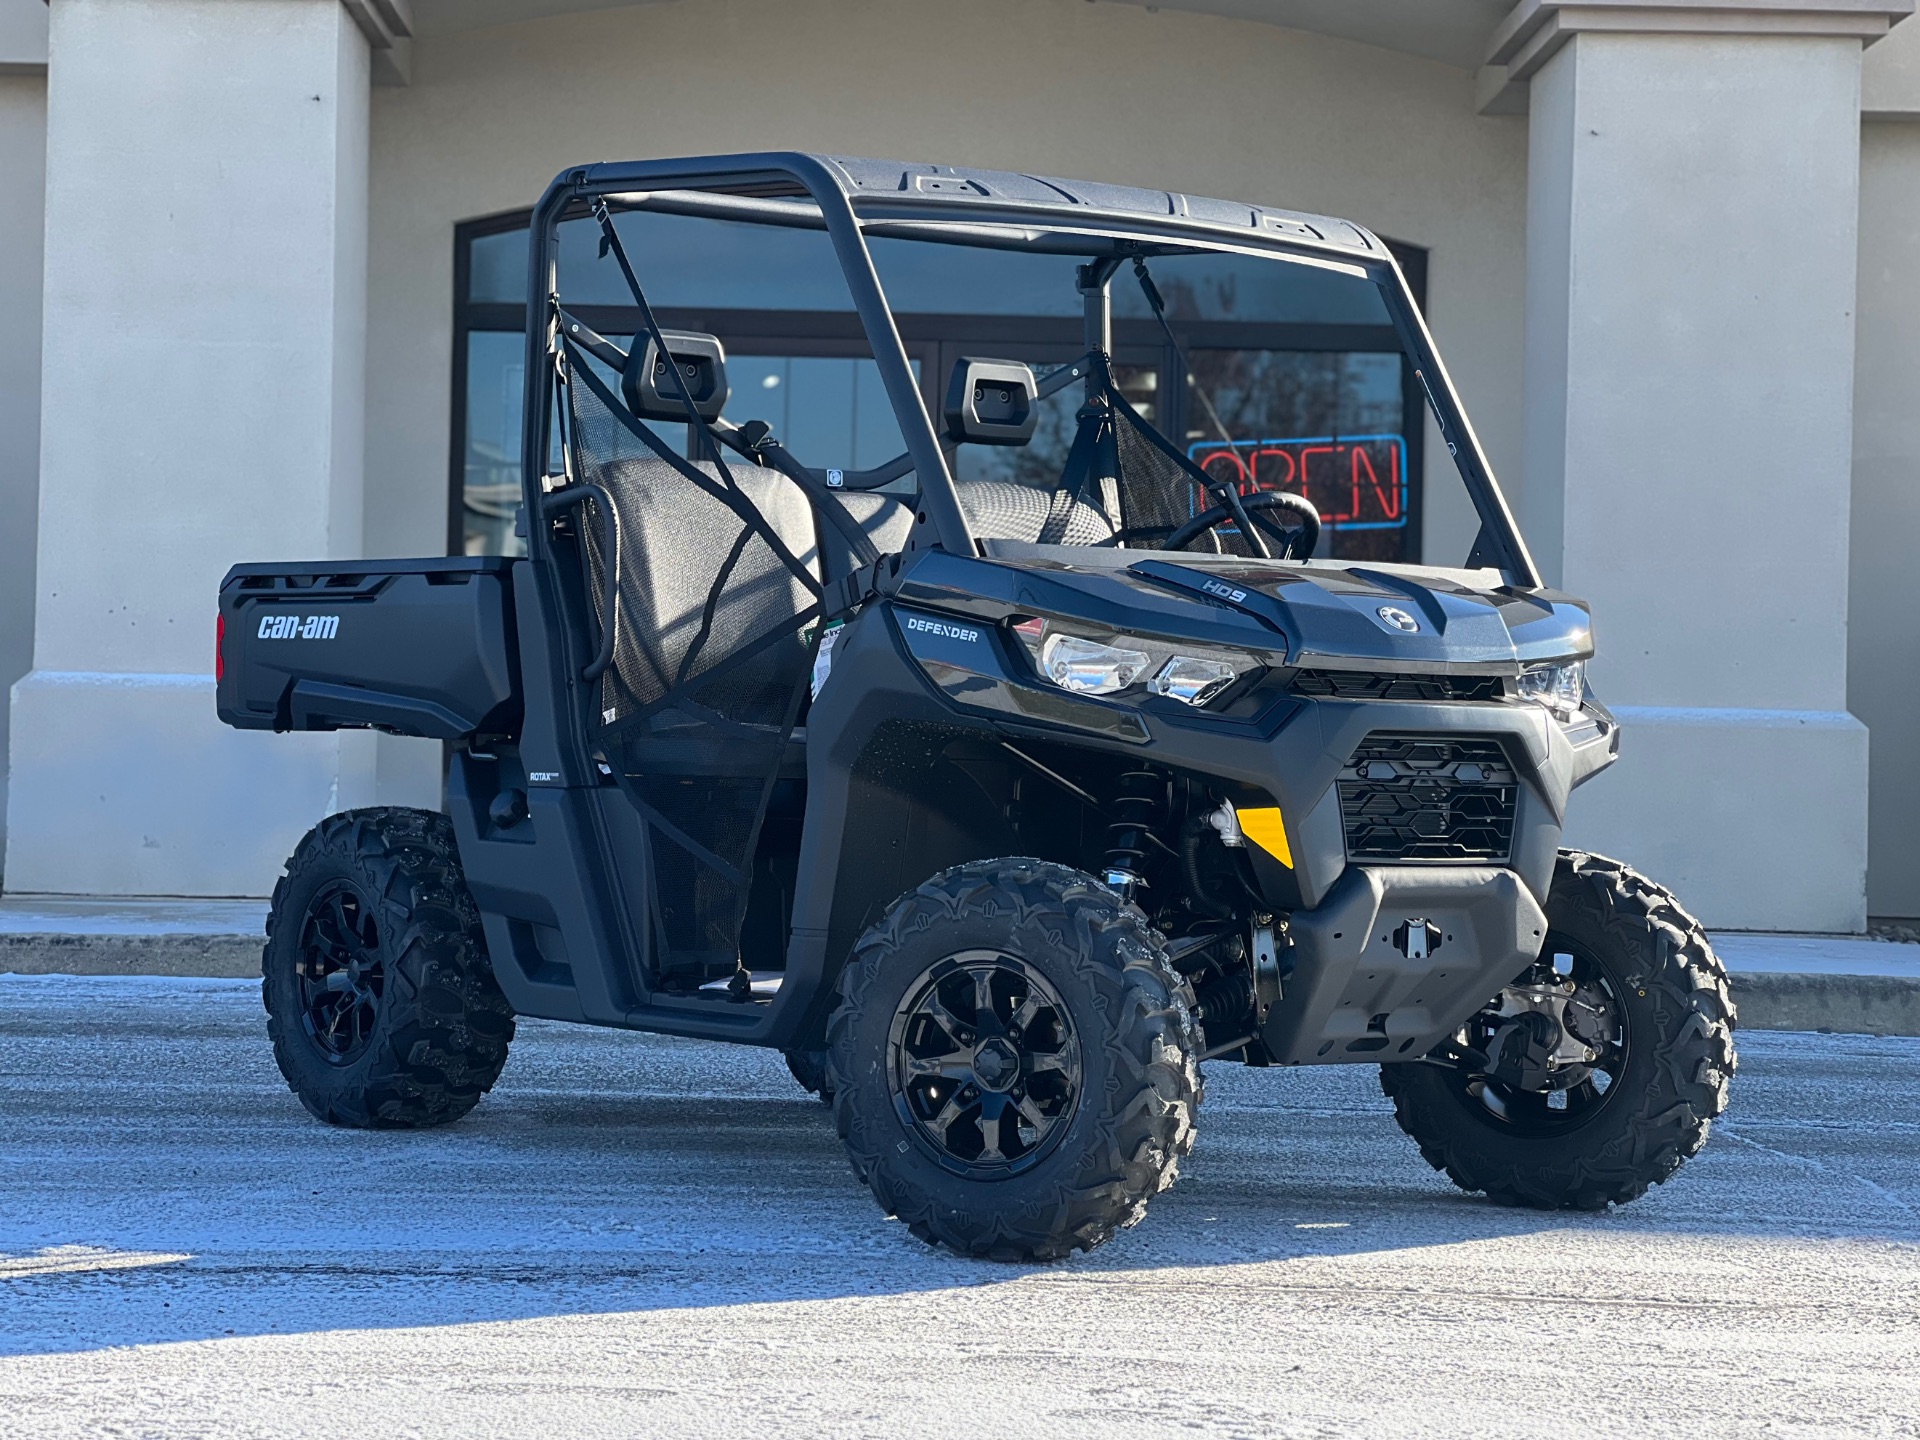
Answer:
(412, 647)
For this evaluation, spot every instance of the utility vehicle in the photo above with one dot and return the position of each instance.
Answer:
(1002, 783)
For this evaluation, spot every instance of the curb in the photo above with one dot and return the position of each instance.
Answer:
(199, 956)
(1849, 1004)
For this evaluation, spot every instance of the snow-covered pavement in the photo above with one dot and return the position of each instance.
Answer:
(638, 1236)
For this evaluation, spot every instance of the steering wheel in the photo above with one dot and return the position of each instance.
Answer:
(1296, 541)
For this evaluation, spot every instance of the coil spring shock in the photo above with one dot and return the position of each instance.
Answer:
(1137, 809)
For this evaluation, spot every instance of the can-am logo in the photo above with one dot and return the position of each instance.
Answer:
(299, 627)
(936, 627)
(1224, 591)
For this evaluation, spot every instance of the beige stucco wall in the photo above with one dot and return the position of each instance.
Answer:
(1167, 99)
(23, 174)
(1883, 649)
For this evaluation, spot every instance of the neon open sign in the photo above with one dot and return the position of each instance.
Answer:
(1356, 482)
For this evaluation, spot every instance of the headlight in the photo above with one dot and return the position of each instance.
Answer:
(1106, 665)
(1193, 678)
(1559, 688)
(1088, 666)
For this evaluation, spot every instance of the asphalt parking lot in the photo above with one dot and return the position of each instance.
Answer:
(639, 1236)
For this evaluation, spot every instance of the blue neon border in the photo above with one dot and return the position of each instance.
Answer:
(1193, 454)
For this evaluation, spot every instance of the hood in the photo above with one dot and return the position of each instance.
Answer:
(1334, 615)
(1391, 618)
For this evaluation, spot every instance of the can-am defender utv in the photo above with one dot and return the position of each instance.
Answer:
(999, 784)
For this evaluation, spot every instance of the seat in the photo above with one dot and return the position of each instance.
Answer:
(698, 585)
(887, 521)
(1003, 509)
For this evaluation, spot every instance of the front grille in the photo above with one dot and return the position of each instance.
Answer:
(1428, 797)
(1366, 685)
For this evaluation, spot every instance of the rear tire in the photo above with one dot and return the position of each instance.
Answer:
(381, 1002)
(1042, 1118)
(1671, 992)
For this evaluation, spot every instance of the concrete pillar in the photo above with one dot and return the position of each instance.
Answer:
(23, 178)
(202, 381)
(1883, 639)
(1692, 218)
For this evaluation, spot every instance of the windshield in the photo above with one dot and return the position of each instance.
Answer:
(1194, 399)
(1265, 374)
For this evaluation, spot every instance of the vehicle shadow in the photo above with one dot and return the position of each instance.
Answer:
(614, 1174)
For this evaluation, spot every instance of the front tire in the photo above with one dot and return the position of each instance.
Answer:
(381, 1002)
(1645, 964)
(809, 1070)
(1015, 1064)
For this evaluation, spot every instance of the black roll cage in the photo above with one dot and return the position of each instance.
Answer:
(816, 193)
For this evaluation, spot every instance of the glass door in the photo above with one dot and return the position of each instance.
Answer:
(1327, 424)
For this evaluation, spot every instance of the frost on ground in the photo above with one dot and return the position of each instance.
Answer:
(641, 1236)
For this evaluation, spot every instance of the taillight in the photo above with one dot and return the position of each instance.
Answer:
(219, 649)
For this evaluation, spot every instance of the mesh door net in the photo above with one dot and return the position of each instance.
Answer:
(1160, 489)
(713, 639)
(1123, 483)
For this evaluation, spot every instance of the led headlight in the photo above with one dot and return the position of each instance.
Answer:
(1110, 664)
(1088, 666)
(1193, 678)
(1558, 688)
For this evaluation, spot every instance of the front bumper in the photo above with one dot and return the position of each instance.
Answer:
(1397, 958)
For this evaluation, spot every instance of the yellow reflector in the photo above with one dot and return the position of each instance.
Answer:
(1264, 829)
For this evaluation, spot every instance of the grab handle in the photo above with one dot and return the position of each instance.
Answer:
(558, 500)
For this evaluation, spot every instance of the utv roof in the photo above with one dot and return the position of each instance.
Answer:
(895, 190)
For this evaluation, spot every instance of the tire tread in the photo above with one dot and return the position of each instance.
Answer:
(443, 1041)
(1148, 1125)
(1670, 1119)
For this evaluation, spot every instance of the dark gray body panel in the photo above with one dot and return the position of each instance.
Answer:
(1345, 976)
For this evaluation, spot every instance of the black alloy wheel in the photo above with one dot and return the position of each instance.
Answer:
(986, 1064)
(1015, 1064)
(1581, 1095)
(1558, 1102)
(342, 973)
(381, 1002)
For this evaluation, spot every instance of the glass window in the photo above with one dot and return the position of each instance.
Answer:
(1245, 289)
(495, 396)
(1327, 425)
(1294, 376)
(831, 413)
(689, 263)
(926, 279)
(1040, 462)
(497, 268)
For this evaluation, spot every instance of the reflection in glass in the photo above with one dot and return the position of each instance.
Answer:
(828, 411)
(496, 397)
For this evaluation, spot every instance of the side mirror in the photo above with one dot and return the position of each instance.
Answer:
(649, 390)
(992, 402)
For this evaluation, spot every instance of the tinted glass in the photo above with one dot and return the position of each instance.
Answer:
(832, 413)
(497, 268)
(496, 379)
(1329, 425)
